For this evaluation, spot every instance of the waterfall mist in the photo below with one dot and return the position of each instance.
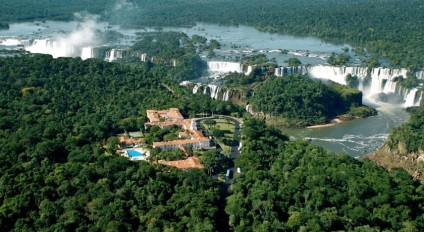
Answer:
(70, 44)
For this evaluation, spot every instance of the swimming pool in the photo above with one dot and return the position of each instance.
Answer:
(134, 153)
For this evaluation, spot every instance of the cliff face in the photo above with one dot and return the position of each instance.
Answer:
(234, 95)
(398, 157)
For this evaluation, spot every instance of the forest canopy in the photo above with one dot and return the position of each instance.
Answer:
(301, 101)
(297, 186)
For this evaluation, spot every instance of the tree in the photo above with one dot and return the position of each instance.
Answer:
(210, 122)
(112, 144)
(293, 62)
(214, 44)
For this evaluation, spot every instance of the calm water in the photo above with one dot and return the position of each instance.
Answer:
(236, 41)
(357, 137)
(245, 40)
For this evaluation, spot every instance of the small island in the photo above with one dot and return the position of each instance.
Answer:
(4, 26)
(299, 101)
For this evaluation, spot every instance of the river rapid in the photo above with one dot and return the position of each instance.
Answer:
(355, 138)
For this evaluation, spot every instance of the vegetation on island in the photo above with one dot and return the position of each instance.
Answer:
(341, 59)
(4, 26)
(298, 101)
(169, 48)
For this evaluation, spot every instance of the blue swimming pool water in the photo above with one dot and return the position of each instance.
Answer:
(134, 153)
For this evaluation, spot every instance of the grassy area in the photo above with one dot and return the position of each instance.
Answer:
(227, 127)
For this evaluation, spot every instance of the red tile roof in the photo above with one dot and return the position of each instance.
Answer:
(190, 162)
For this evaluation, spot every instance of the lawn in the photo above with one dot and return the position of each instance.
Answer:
(227, 127)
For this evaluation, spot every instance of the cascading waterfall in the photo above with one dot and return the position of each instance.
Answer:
(224, 67)
(410, 98)
(214, 91)
(60, 48)
(381, 78)
(113, 55)
(226, 96)
(196, 87)
(87, 53)
(143, 57)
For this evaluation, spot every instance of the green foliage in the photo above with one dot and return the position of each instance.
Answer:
(199, 39)
(293, 62)
(211, 54)
(410, 134)
(259, 59)
(217, 133)
(352, 81)
(214, 44)
(164, 48)
(411, 81)
(4, 26)
(363, 22)
(209, 122)
(56, 175)
(341, 59)
(239, 79)
(175, 154)
(360, 51)
(296, 186)
(303, 101)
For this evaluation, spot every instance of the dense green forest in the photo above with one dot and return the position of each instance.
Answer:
(169, 48)
(55, 173)
(410, 134)
(300, 101)
(28, 10)
(55, 115)
(294, 186)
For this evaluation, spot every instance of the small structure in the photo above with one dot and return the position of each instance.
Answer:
(164, 118)
(128, 142)
(190, 162)
(191, 137)
(196, 138)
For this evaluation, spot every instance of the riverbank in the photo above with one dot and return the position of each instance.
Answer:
(333, 122)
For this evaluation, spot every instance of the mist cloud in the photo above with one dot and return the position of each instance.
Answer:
(123, 5)
(71, 43)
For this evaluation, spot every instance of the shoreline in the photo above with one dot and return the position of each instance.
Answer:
(333, 122)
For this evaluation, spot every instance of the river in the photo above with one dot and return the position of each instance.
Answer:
(236, 41)
(354, 138)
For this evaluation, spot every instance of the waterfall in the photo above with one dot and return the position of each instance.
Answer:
(225, 67)
(381, 78)
(10, 42)
(226, 96)
(87, 53)
(196, 87)
(214, 91)
(143, 57)
(249, 69)
(61, 48)
(410, 98)
(420, 74)
(113, 55)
